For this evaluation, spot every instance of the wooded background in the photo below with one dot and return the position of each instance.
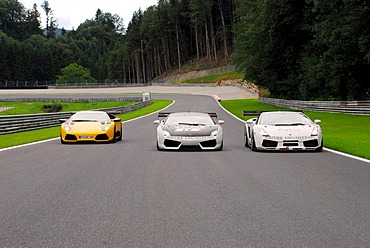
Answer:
(297, 49)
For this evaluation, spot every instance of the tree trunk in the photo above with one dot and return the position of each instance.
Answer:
(124, 71)
(196, 39)
(178, 45)
(208, 48)
(130, 73)
(213, 38)
(226, 54)
(137, 67)
(143, 61)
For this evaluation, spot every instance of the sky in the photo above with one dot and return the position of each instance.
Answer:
(71, 13)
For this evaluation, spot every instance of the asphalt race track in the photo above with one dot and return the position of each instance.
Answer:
(129, 194)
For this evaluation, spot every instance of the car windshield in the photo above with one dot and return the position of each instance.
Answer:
(192, 120)
(284, 119)
(90, 117)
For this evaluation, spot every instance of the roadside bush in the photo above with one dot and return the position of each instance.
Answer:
(50, 108)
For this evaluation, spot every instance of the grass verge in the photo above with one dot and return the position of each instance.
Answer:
(8, 140)
(342, 132)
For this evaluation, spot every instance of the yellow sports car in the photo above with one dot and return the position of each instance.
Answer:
(91, 126)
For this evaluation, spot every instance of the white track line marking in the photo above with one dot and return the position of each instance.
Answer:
(29, 144)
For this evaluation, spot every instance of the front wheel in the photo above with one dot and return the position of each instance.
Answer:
(221, 147)
(246, 140)
(319, 149)
(114, 140)
(253, 146)
(119, 136)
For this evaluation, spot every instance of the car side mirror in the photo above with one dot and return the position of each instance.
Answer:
(220, 122)
(117, 120)
(156, 122)
(250, 121)
(62, 120)
(317, 121)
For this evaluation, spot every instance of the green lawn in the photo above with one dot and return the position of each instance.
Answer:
(342, 132)
(8, 140)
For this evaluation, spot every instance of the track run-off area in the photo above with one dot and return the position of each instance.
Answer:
(128, 194)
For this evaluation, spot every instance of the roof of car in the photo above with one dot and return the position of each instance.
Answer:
(282, 112)
(89, 113)
(189, 114)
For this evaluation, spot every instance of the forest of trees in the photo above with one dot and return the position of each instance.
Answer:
(305, 49)
(297, 49)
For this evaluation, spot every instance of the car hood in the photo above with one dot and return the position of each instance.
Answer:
(190, 130)
(287, 131)
(86, 127)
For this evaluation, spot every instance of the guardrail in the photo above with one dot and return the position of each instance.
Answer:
(19, 123)
(54, 84)
(348, 107)
(87, 99)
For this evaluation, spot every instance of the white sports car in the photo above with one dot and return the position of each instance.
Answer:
(282, 130)
(189, 130)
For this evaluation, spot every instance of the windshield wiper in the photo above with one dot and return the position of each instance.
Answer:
(191, 124)
(290, 124)
(84, 120)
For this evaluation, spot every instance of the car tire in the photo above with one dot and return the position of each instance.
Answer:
(253, 146)
(246, 140)
(114, 140)
(158, 146)
(221, 147)
(62, 141)
(120, 137)
(320, 148)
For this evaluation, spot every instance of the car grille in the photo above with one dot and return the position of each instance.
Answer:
(70, 137)
(290, 144)
(269, 143)
(209, 143)
(101, 137)
(311, 143)
(171, 143)
(190, 148)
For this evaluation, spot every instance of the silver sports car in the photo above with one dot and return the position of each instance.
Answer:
(189, 130)
(282, 130)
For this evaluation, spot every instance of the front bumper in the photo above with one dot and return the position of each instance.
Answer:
(86, 137)
(190, 143)
(289, 145)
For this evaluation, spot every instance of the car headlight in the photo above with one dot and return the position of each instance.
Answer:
(264, 133)
(315, 131)
(68, 128)
(166, 134)
(105, 127)
(214, 133)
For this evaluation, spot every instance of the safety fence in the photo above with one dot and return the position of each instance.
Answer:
(18, 123)
(66, 84)
(133, 98)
